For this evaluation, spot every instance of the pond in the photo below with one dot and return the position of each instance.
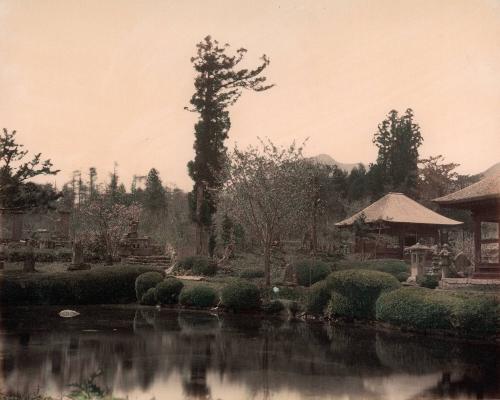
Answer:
(140, 353)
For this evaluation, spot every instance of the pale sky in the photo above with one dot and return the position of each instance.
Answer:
(91, 82)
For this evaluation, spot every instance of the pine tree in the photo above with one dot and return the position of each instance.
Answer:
(219, 84)
(398, 139)
(154, 195)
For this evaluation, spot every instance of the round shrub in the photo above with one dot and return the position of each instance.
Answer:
(241, 296)
(362, 288)
(428, 281)
(252, 273)
(149, 298)
(198, 296)
(273, 307)
(168, 290)
(318, 297)
(198, 265)
(339, 306)
(146, 281)
(309, 272)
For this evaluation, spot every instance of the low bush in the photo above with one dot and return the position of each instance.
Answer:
(241, 296)
(168, 291)
(425, 309)
(317, 298)
(361, 288)
(99, 285)
(309, 272)
(339, 306)
(198, 296)
(252, 273)
(402, 276)
(389, 266)
(428, 281)
(146, 281)
(198, 265)
(150, 298)
(273, 307)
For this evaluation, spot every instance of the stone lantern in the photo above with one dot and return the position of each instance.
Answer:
(419, 260)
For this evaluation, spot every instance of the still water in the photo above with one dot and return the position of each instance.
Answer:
(147, 353)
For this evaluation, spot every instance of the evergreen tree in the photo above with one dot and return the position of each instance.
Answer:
(398, 139)
(154, 195)
(15, 171)
(219, 83)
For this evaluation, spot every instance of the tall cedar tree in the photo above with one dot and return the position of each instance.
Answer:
(154, 195)
(398, 139)
(219, 83)
(15, 171)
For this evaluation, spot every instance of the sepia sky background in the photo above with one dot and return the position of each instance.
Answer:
(91, 82)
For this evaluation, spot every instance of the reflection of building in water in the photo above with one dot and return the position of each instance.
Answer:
(161, 354)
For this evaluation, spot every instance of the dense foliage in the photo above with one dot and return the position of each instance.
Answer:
(241, 296)
(201, 296)
(425, 309)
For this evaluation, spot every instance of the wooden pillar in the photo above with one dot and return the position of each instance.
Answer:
(477, 239)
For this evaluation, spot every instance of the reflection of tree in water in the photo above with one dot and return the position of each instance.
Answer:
(264, 356)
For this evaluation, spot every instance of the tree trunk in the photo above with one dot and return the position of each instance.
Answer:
(267, 264)
(199, 223)
(314, 230)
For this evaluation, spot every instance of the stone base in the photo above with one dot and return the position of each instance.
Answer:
(78, 267)
(455, 283)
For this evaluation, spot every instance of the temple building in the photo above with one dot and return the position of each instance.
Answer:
(397, 216)
(483, 200)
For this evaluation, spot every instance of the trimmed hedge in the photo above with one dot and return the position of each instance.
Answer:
(202, 296)
(425, 309)
(361, 288)
(168, 290)
(309, 272)
(198, 265)
(318, 297)
(99, 285)
(389, 266)
(145, 282)
(241, 296)
(150, 298)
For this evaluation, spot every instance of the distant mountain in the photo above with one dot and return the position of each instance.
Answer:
(492, 171)
(328, 160)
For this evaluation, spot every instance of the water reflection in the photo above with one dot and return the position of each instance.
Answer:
(149, 353)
